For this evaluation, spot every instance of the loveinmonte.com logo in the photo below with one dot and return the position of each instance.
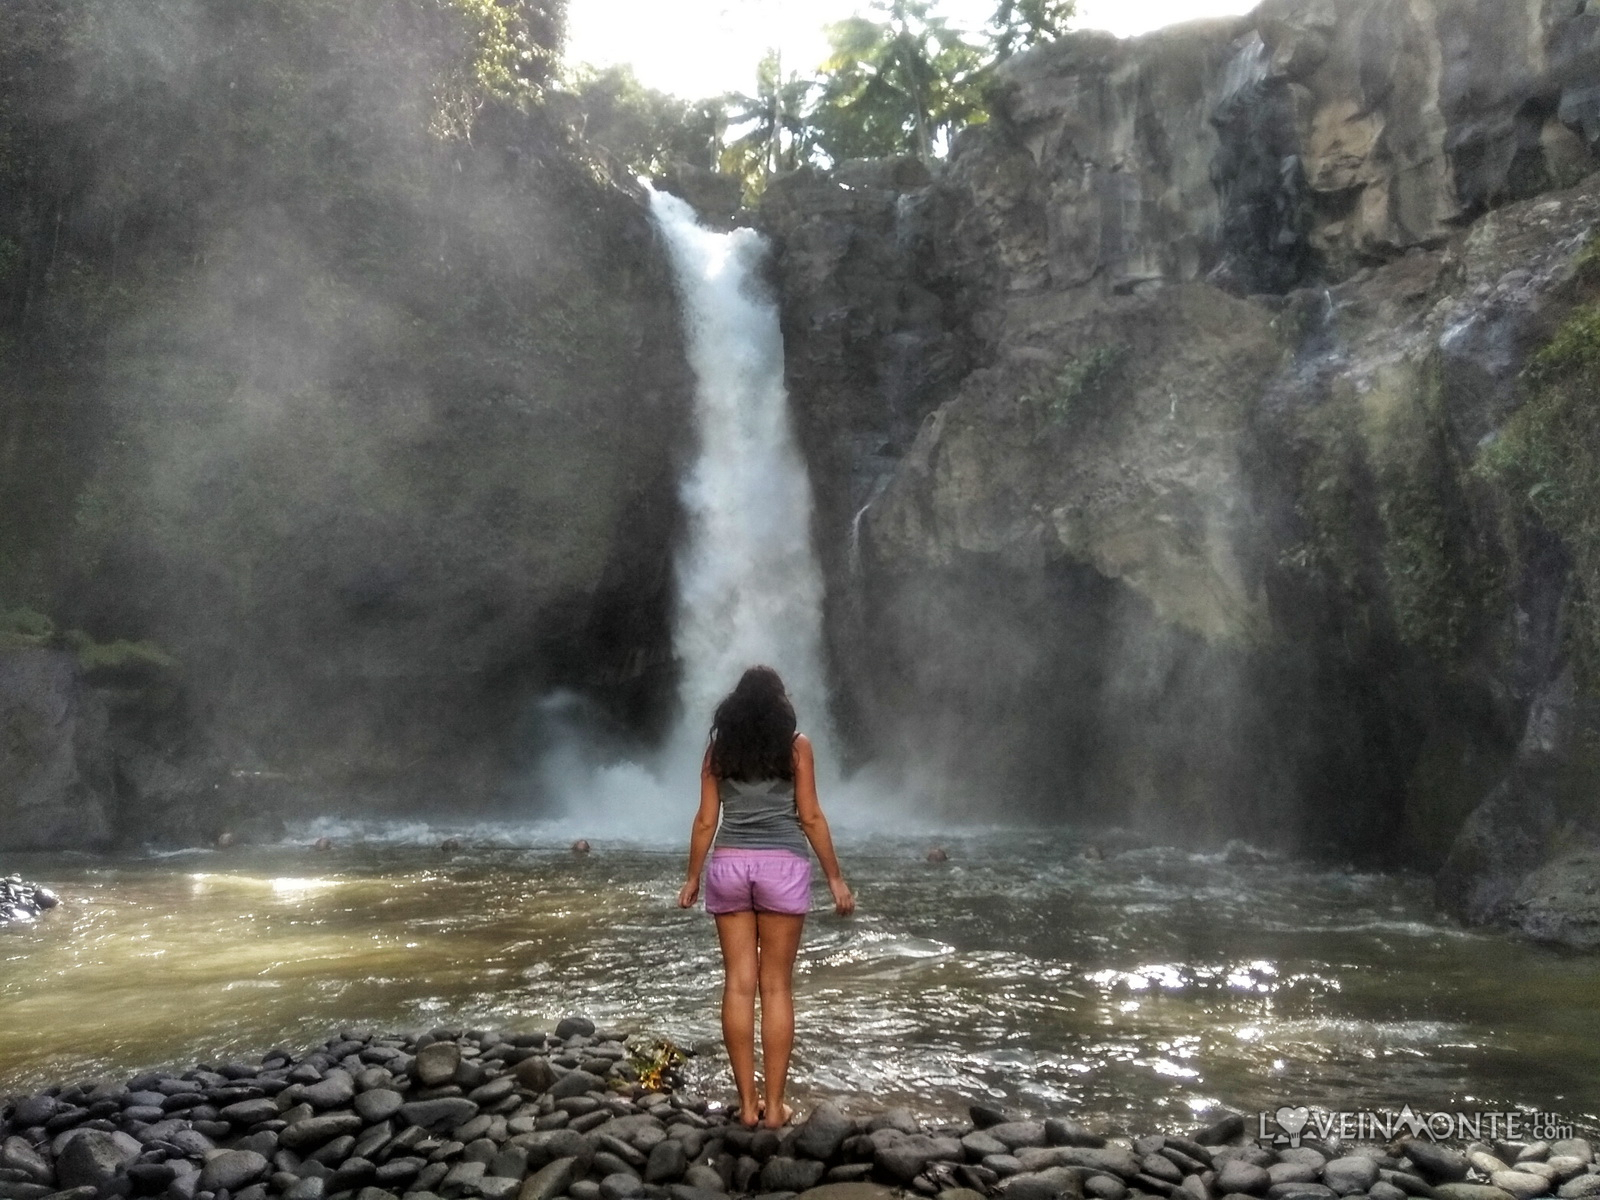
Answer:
(1289, 1125)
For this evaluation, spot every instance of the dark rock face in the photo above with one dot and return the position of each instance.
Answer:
(1158, 554)
(379, 440)
(55, 765)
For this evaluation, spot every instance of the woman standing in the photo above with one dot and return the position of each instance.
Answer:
(759, 777)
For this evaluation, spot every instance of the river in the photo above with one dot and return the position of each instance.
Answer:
(1135, 987)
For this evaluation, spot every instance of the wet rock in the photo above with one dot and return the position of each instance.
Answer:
(97, 1159)
(336, 1090)
(20, 1156)
(1385, 1191)
(444, 1113)
(1351, 1174)
(851, 1191)
(979, 1145)
(1060, 1132)
(1288, 1172)
(823, 1133)
(1578, 1188)
(620, 1186)
(1565, 1166)
(462, 1177)
(667, 1162)
(1572, 1148)
(899, 1119)
(232, 1170)
(1221, 1131)
(784, 1174)
(1159, 1166)
(1052, 1184)
(1437, 1164)
(1018, 1134)
(1111, 1160)
(575, 1083)
(701, 1178)
(574, 1026)
(535, 1073)
(250, 1112)
(903, 1159)
(1521, 1184)
(1471, 1191)
(317, 1131)
(34, 1110)
(379, 1104)
(397, 1173)
(435, 1064)
(1105, 1187)
(1410, 1184)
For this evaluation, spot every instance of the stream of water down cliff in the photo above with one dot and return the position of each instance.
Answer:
(1137, 987)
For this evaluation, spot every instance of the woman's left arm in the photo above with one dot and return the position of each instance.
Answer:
(703, 830)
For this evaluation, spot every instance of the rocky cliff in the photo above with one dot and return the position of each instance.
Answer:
(366, 420)
(1250, 365)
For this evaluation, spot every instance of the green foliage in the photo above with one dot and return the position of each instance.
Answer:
(23, 628)
(778, 136)
(642, 129)
(898, 82)
(1020, 24)
(1547, 461)
(1079, 380)
(118, 657)
(659, 1064)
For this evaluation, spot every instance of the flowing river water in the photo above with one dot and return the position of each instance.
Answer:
(1135, 989)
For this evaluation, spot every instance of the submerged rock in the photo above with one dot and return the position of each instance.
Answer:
(22, 901)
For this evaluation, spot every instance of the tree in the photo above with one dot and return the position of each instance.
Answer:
(1019, 24)
(897, 84)
(642, 128)
(777, 134)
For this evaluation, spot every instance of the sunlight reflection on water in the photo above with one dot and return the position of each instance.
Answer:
(1136, 990)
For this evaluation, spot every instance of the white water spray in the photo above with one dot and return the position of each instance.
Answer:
(749, 584)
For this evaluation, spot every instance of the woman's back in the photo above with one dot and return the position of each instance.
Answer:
(760, 815)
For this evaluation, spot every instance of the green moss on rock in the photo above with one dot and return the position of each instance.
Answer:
(1547, 462)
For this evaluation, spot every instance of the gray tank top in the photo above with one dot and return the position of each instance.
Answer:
(760, 814)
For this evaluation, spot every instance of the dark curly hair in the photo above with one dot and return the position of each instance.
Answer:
(752, 732)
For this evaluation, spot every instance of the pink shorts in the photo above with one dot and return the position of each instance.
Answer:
(775, 881)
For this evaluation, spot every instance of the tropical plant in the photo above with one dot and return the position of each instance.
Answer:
(1019, 24)
(898, 82)
(777, 133)
(642, 128)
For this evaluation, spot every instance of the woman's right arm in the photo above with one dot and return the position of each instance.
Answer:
(815, 824)
(703, 831)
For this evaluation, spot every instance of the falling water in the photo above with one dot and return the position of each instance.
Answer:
(748, 582)
(749, 586)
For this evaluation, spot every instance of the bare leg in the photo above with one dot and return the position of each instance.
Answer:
(737, 933)
(778, 938)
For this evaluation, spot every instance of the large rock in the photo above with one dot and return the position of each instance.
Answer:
(99, 1160)
(823, 1133)
(56, 787)
(233, 1170)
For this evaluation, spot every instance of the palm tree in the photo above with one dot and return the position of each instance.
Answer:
(777, 135)
(895, 85)
(1019, 24)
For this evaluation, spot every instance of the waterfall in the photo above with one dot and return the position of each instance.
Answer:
(749, 585)
(748, 581)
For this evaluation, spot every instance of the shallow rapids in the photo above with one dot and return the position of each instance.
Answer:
(1136, 990)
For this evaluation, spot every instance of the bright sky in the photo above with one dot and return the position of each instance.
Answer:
(698, 48)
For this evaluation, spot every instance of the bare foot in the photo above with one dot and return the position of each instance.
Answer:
(755, 1120)
(785, 1115)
